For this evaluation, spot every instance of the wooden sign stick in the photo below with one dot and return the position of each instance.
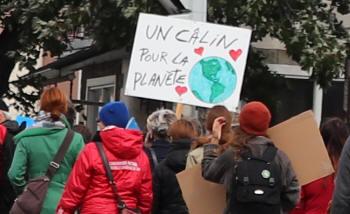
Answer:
(179, 110)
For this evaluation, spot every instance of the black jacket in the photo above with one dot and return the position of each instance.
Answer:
(7, 194)
(167, 193)
(161, 149)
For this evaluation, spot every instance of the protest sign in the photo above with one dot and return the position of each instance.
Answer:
(201, 196)
(298, 137)
(187, 62)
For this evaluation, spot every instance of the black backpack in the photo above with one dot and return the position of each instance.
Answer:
(256, 184)
(9, 145)
(7, 193)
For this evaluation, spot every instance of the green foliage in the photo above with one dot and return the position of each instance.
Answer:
(310, 30)
(50, 25)
(22, 97)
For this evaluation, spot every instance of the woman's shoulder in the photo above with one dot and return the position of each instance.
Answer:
(282, 155)
(90, 147)
(33, 132)
(77, 136)
(196, 152)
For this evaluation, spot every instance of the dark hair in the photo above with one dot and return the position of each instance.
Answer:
(84, 131)
(70, 114)
(182, 129)
(334, 133)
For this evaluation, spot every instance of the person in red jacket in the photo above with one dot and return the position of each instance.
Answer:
(88, 188)
(316, 196)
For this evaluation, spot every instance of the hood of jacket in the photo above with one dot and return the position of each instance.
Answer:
(42, 128)
(123, 143)
(177, 156)
(257, 145)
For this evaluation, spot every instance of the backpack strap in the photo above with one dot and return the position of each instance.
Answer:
(269, 153)
(120, 202)
(154, 157)
(55, 163)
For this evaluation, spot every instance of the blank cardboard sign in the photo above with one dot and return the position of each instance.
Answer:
(300, 139)
(201, 196)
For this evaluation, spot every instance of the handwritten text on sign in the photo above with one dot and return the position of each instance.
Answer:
(187, 62)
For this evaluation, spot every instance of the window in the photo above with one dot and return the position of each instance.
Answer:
(99, 90)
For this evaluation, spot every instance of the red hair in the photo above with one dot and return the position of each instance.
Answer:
(227, 136)
(182, 129)
(54, 101)
(334, 133)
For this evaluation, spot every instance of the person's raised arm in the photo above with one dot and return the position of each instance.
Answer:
(214, 166)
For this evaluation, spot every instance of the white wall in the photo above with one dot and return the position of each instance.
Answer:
(198, 9)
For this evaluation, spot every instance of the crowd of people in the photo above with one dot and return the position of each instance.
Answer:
(125, 170)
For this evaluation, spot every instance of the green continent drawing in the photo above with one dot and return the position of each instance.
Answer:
(216, 90)
(212, 80)
(210, 69)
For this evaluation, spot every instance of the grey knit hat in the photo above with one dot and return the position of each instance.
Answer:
(160, 120)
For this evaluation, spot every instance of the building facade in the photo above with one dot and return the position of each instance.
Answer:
(92, 78)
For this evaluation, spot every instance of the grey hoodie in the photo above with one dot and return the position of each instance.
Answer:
(220, 169)
(341, 195)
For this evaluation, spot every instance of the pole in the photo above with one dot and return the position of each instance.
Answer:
(317, 102)
(346, 103)
(179, 110)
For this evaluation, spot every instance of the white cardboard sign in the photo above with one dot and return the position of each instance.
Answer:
(188, 62)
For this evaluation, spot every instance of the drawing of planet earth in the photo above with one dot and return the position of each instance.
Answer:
(212, 80)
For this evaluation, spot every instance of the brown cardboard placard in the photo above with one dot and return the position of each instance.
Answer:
(300, 138)
(201, 196)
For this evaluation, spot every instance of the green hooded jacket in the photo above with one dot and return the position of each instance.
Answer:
(35, 148)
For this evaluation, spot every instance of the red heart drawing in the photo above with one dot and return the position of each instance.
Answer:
(235, 54)
(199, 51)
(180, 90)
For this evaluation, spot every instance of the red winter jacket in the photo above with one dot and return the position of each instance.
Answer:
(88, 188)
(3, 132)
(315, 196)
